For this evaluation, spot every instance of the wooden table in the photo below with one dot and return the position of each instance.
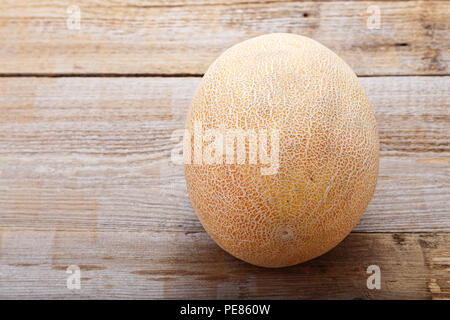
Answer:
(86, 123)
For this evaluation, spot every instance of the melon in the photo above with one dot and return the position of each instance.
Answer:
(302, 162)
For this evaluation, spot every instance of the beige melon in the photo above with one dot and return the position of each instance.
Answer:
(311, 107)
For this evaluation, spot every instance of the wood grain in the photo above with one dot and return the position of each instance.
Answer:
(184, 37)
(190, 265)
(86, 176)
(93, 154)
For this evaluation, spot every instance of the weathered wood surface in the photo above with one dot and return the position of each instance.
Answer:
(93, 154)
(85, 171)
(190, 265)
(184, 37)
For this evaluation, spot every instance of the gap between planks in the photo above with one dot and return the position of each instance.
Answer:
(167, 75)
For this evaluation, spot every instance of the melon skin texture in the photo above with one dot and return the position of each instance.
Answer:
(328, 150)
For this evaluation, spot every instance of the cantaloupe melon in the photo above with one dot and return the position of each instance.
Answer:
(328, 150)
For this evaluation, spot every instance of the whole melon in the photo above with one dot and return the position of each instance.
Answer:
(297, 99)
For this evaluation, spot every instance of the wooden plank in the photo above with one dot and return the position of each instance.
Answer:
(190, 265)
(94, 154)
(184, 37)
